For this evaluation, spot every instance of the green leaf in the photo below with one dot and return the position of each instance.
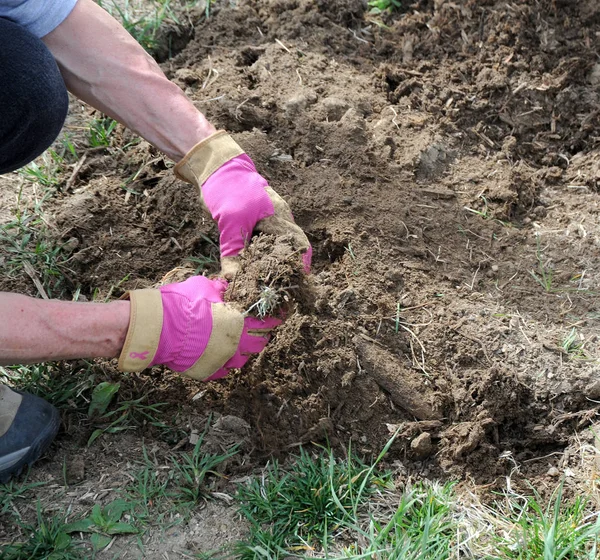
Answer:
(95, 435)
(122, 529)
(97, 516)
(100, 541)
(101, 397)
(62, 541)
(114, 510)
(80, 526)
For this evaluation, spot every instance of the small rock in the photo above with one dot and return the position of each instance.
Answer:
(592, 391)
(74, 469)
(494, 268)
(553, 471)
(421, 446)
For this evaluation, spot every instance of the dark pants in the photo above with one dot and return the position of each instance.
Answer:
(33, 97)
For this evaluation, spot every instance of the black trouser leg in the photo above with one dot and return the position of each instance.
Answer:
(33, 97)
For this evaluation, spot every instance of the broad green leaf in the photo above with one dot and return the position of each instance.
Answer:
(100, 541)
(97, 516)
(122, 529)
(62, 541)
(102, 395)
(80, 526)
(114, 510)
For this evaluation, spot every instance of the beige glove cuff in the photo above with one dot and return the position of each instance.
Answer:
(206, 157)
(143, 334)
(227, 328)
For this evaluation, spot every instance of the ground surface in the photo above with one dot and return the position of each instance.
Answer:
(445, 166)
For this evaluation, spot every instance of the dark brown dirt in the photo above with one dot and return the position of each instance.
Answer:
(444, 167)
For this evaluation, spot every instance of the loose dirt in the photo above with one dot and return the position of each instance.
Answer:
(444, 163)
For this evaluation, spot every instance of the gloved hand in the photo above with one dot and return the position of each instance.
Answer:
(238, 198)
(187, 327)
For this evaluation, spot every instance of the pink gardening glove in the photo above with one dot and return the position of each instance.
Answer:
(239, 199)
(200, 336)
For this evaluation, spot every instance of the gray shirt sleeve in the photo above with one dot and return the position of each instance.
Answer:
(37, 16)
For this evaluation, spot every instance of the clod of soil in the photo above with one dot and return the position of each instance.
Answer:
(270, 281)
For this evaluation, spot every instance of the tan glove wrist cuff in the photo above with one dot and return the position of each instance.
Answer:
(143, 334)
(206, 157)
(227, 329)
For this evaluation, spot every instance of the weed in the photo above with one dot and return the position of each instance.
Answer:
(550, 533)
(30, 248)
(47, 171)
(379, 6)
(103, 523)
(63, 387)
(148, 493)
(485, 213)
(144, 27)
(421, 527)
(99, 132)
(191, 471)
(14, 491)
(303, 506)
(544, 273)
(127, 415)
(267, 304)
(573, 344)
(69, 148)
(47, 539)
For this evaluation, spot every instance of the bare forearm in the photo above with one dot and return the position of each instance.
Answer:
(105, 67)
(34, 330)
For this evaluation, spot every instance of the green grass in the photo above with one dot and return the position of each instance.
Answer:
(15, 490)
(378, 6)
(556, 531)
(304, 506)
(30, 247)
(100, 131)
(66, 386)
(573, 344)
(46, 539)
(144, 27)
(544, 273)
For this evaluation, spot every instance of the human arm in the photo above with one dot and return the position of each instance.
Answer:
(104, 66)
(35, 330)
(185, 326)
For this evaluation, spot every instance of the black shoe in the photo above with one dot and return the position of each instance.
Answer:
(31, 432)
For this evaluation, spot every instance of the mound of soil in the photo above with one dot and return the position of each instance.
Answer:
(444, 166)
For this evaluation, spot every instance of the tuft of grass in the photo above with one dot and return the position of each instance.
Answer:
(14, 490)
(57, 383)
(177, 487)
(191, 472)
(127, 415)
(304, 506)
(144, 27)
(550, 533)
(573, 344)
(544, 274)
(99, 132)
(31, 248)
(46, 540)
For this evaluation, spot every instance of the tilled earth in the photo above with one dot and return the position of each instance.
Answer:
(445, 163)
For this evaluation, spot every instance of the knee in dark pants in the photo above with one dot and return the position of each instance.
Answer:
(33, 97)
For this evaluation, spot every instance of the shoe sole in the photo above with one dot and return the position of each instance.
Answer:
(35, 450)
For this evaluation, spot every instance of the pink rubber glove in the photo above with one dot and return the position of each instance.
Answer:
(238, 198)
(200, 336)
